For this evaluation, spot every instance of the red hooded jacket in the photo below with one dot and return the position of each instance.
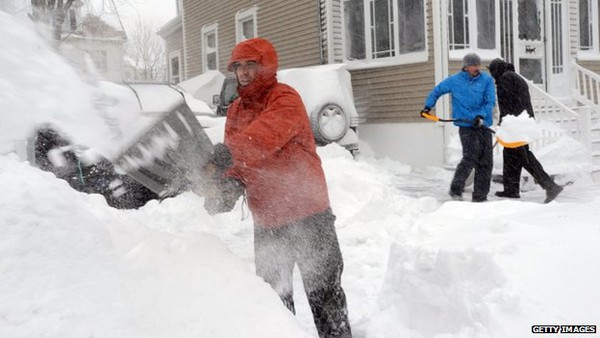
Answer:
(272, 144)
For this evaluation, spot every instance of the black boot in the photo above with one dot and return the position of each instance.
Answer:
(507, 194)
(552, 192)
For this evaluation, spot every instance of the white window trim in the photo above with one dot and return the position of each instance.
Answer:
(206, 29)
(172, 55)
(398, 60)
(594, 53)
(485, 54)
(241, 16)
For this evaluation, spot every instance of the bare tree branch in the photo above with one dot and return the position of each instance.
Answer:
(146, 50)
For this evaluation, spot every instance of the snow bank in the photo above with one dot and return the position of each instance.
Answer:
(492, 270)
(73, 267)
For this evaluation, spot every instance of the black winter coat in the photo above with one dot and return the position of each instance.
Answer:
(511, 88)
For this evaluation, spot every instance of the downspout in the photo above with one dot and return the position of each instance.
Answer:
(185, 73)
(320, 23)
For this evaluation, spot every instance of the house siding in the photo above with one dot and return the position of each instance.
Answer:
(292, 28)
(594, 66)
(395, 94)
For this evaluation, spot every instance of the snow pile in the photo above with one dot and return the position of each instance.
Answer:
(205, 85)
(416, 267)
(492, 270)
(522, 128)
(73, 267)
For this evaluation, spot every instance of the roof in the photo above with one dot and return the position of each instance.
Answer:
(93, 26)
(170, 27)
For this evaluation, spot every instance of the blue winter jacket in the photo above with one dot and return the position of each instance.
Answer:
(471, 96)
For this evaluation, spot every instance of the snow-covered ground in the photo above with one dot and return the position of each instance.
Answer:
(414, 266)
(416, 263)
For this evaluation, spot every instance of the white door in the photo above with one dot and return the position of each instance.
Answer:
(530, 49)
(540, 48)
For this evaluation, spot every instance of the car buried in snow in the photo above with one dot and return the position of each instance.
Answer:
(326, 91)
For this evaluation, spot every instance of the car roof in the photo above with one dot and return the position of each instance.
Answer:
(158, 98)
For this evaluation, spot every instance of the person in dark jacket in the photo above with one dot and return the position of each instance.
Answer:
(270, 149)
(473, 98)
(513, 99)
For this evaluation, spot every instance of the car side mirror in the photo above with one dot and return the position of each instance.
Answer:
(216, 99)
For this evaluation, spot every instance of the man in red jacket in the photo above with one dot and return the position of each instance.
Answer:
(270, 149)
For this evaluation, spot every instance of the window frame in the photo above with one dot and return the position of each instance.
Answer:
(473, 29)
(592, 54)
(240, 18)
(173, 55)
(398, 58)
(207, 30)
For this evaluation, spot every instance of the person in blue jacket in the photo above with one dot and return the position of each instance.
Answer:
(473, 98)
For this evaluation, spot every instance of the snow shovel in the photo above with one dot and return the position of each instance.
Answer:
(169, 157)
(503, 143)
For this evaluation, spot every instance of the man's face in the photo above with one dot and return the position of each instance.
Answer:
(245, 72)
(473, 70)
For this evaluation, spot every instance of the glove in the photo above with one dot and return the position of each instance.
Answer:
(478, 122)
(425, 110)
(221, 157)
(220, 192)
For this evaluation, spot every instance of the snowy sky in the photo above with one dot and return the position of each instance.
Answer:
(157, 12)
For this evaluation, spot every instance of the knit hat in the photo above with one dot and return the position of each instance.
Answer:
(471, 59)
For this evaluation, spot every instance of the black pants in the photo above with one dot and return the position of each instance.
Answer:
(477, 150)
(312, 244)
(516, 159)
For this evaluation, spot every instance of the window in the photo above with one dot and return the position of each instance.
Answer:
(245, 24)
(384, 29)
(588, 25)
(174, 67)
(210, 48)
(472, 24)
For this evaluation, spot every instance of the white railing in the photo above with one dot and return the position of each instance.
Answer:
(586, 86)
(570, 122)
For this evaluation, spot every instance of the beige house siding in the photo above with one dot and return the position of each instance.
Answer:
(594, 66)
(292, 27)
(174, 41)
(395, 93)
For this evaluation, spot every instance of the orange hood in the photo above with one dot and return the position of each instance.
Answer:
(262, 52)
